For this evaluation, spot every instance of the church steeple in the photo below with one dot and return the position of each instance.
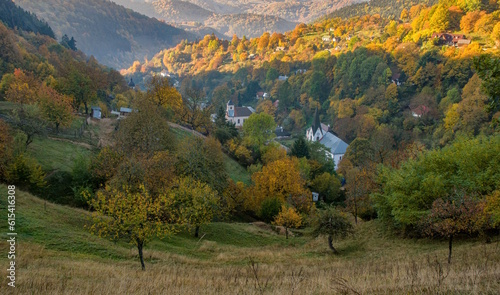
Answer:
(316, 124)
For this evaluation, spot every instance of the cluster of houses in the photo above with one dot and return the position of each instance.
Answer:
(456, 40)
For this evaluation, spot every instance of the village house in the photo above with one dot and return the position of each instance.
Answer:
(335, 146)
(420, 111)
(125, 111)
(95, 112)
(283, 78)
(457, 40)
(237, 115)
(326, 39)
(280, 48)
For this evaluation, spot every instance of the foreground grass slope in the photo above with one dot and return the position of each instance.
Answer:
(57, 255)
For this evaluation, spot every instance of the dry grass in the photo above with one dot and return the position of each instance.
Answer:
(275, 270)
(370, 263)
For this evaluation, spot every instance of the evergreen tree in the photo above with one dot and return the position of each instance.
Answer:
(300, 148)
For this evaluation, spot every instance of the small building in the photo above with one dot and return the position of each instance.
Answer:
(281, 133)
(283, 78)
(237, 115)
(335, 147)
(260, 95)
(95, 112)
(125, 112)
(457, 40)
(326, 39)
(251, 56)
(420, 111)
(280, 48)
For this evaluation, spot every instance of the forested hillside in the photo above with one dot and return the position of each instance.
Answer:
(114, 35)
(386, 8)
(13, 16)
(243, 18)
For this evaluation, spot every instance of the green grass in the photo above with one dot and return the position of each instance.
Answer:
(61, 228)
(56, 154)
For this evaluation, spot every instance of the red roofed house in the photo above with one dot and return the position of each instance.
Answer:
(457, 40)
(419, 111)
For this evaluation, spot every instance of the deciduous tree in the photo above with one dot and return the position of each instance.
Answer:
(333, 224)
(288, 218)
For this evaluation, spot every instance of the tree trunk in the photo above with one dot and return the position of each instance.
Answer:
(197, 231)
(57, 127)
(29, 139)
(286, 232)
(449, 247)
(139, 247)
(86, 108)
(330, 244)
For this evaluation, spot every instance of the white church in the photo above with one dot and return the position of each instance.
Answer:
(237, 115)
(335, 146)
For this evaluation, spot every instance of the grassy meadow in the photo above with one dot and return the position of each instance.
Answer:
(56, 255)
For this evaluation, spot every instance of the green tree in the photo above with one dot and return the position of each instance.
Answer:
(488, 69)
(144, 132)
(202, 160)
(195, 202)
(258, 129)
(300, 148)
(328, 187)
(333, 224)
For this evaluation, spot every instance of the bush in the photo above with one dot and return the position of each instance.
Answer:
(26, 173)
(269, 209)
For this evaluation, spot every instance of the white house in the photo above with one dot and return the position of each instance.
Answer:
(237, 115)
(335, 146)
(283, 78)
(327, 39)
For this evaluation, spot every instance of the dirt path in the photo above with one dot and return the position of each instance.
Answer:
(82, 144)
(177, 126)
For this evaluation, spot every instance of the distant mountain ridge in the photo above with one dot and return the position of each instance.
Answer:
(386, 8)
(116, 36)
(241, 17)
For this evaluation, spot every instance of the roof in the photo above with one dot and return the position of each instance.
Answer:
(230, 103)
(421, 110)
(242, 112)
(131, 83)
(125, 110)
(95, 108)
(334, 144)
(316, 123)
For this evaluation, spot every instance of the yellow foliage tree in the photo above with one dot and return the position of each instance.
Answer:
(132, 215)
(280, 179)
(163, 95)
(288, 218)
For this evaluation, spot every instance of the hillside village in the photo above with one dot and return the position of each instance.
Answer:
(349, 155)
